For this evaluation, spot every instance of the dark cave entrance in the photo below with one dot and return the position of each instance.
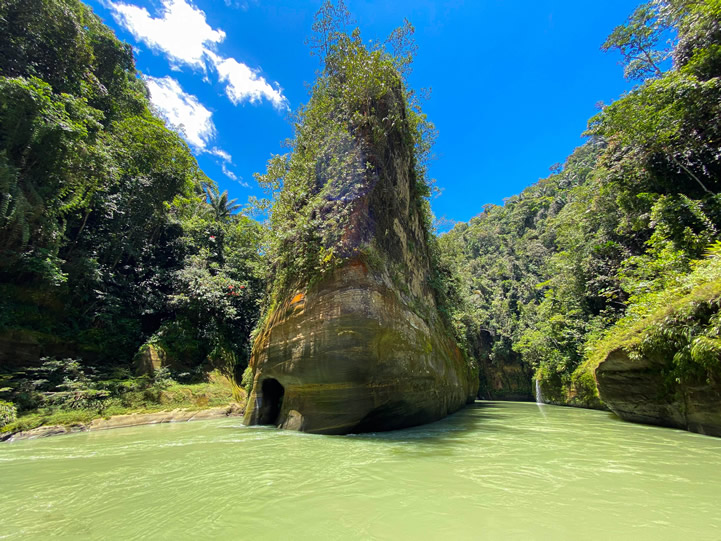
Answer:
(272, 399)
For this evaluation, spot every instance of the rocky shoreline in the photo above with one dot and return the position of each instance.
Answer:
(126, 421)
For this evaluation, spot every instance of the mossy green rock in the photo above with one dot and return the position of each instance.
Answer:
(508, 380)
(638, 390)
(150, 357)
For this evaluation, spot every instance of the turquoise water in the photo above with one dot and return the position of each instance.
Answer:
(492, 471)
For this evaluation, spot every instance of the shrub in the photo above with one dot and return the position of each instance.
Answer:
(8, 413)
(247, 381)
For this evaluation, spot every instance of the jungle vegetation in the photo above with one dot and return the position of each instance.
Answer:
(113, 241)
(552, 278)
(110, 235)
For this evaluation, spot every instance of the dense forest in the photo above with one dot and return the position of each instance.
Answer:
(112, 241)
(123, 268)
(616, 247)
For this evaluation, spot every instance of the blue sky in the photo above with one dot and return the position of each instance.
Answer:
(513, 83)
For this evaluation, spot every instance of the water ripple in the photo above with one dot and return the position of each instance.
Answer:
(492, 471)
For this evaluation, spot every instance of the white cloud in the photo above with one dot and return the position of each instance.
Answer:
(183, 112)
(220, 153)
(228, 173)
(184, 35)
(232, 176)
(182, 32)
(245, 83)
(241, 4)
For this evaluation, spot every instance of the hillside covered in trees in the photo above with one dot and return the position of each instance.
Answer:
(113, 244)
(553, 280)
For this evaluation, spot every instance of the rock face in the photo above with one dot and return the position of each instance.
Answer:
(350, 356)
(508, 381)
(149, 358)
(636, 390)
(363, 346)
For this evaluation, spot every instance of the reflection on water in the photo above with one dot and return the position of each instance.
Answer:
(493, 471)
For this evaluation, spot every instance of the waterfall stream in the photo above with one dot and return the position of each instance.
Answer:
(539, 394)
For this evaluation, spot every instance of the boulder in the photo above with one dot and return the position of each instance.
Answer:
(638, 390)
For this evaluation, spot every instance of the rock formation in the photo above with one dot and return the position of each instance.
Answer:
(638, 390)
(362, 346)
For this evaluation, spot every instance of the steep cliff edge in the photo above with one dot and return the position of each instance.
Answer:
(353, 339)
(350, 355)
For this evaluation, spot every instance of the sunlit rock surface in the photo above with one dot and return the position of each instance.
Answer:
(364, 347)
(351, 357)
(638, 390)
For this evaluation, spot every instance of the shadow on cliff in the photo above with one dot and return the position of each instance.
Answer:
(452, 428)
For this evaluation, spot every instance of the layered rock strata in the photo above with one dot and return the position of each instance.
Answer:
(638, 390)
(362, 347)
(349, 356)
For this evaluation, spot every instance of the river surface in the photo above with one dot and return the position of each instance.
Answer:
(492, 471)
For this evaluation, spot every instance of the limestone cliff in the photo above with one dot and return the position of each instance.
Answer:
(510, 380)
(357, 345)
(639, 390)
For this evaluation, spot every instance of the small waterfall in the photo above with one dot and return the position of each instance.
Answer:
(539, 394)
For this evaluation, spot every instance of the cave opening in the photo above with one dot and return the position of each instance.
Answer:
(272, 399)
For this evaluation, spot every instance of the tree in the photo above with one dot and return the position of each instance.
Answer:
(329, 23)
(220, 205)
(637, 41)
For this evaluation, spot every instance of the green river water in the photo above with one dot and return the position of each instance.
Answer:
(492, 471)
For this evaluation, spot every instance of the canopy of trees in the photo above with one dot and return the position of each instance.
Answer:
(110, 235)
(545, 277)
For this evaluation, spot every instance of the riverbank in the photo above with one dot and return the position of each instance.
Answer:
(111, 403)
(178, 415)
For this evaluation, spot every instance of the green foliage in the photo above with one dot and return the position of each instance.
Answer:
(49, 144)
(637, 41)
(360, 115)
(216, 293)
(613, 233)
(523, 271)
(220, 205)
(110, 235)
(129, 396)
(679, 322)
(698, 50)
(8, 413)
(64, 383)
(162, 378)
(247, 380)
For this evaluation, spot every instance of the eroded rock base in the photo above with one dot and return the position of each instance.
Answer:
(638, 391)
(350, 356)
